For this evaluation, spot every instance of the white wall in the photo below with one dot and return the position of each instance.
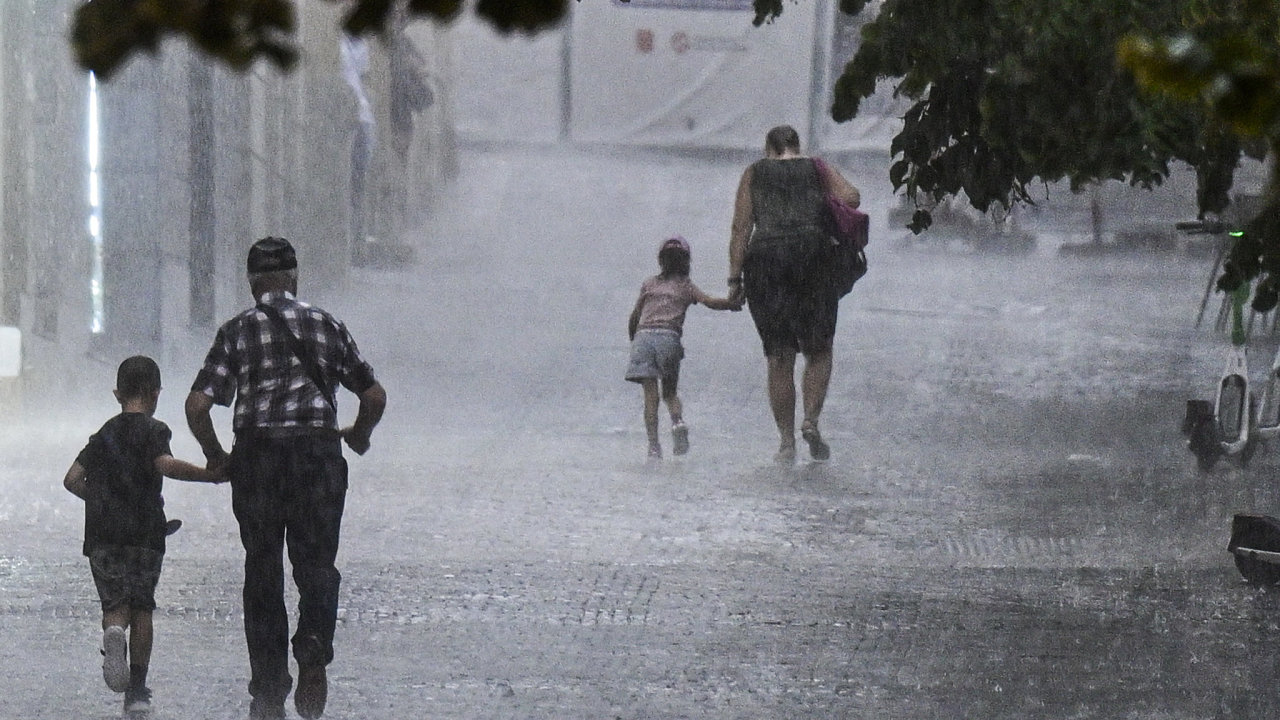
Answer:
(507, 88)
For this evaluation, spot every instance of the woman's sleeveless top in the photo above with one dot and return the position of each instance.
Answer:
(786, 199)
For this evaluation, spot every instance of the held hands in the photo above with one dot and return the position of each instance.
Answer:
(737, 293)
(216, 466)
(216, 477)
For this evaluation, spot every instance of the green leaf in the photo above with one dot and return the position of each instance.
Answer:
(445, 10)
(898, 173)
(920, 221)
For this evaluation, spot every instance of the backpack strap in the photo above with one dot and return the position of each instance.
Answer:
(300, 350)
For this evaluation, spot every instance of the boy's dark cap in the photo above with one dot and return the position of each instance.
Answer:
(272, 254)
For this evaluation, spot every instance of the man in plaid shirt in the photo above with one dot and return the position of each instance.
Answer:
(281, 362)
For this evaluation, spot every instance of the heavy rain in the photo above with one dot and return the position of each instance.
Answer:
(1010, 524)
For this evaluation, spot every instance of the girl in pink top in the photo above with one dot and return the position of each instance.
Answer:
(655, 327)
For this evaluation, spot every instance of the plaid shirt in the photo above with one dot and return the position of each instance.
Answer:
(252, 363)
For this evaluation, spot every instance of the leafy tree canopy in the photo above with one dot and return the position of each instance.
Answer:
(1006, 94)
(105, 33)
(1227, 62)
(1010, 93)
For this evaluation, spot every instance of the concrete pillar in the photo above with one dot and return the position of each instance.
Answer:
(44, 287)
(6, 33)
(14, 158)
(143, 197)
(280, 164)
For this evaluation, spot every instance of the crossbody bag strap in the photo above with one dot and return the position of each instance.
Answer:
(300, 350)
(821, 167)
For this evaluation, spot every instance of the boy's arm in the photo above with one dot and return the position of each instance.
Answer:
(171, 467)
(74, 480)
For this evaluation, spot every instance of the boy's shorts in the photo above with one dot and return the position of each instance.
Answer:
(126, 576)
(655, 354)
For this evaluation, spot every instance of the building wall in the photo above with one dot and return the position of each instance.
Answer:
(278, 163)
(43, 221)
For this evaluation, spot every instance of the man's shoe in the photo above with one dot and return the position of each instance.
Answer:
(312, 692)
(115, 658)
(137, 702)
(260, 709)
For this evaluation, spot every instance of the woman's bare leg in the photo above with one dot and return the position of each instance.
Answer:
(782, 396)
(814, 382)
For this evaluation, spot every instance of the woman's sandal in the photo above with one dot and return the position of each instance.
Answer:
(818, 449)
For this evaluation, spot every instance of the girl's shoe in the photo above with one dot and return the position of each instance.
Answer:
(679, 438)
(818, 449)
(655, 451)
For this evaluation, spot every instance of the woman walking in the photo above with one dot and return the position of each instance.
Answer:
(780, 260)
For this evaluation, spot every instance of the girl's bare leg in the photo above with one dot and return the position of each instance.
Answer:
(679, 433)
(672, 398)
(651, 399)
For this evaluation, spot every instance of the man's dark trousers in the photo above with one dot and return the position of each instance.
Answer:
(288, 486)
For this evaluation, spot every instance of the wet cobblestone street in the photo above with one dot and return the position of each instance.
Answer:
(1010, 525)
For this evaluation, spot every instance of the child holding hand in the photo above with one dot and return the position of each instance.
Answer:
(119, 475)
(655, 328)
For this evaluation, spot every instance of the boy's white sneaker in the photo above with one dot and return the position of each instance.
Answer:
(115, 658)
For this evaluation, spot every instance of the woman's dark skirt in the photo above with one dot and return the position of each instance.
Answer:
(790, 294)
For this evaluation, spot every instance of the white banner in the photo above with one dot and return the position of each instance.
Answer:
(879, 116)
(688, 72)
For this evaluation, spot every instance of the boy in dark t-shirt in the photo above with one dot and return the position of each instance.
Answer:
(119, 475)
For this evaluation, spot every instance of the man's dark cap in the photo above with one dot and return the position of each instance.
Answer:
(271, 254)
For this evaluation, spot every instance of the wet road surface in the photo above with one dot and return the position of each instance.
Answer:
(1010, 525)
